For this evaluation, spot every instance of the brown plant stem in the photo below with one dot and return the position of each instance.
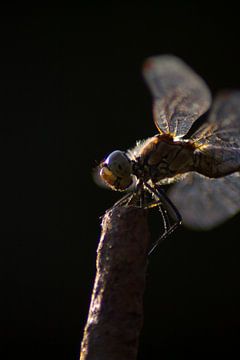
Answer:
(116, 312)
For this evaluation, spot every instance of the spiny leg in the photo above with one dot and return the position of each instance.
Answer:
(166, 222)
(124, 201)
(167, 209)
(132, 198)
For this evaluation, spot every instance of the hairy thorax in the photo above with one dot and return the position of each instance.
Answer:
(162, 157)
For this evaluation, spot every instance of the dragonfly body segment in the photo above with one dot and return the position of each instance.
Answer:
(215, 161)
(162, 158)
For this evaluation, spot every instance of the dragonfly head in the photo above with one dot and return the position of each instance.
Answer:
(116, 171)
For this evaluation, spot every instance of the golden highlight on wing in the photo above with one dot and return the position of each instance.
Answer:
(180, 95)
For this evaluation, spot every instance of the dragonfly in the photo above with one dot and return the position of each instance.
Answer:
(200, 158)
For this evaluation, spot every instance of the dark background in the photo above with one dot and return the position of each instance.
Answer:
(71, 92)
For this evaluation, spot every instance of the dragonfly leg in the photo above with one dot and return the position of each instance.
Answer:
(124, 201)
(134, 198)
(167, 210)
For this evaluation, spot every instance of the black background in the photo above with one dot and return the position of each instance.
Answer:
(71, 92)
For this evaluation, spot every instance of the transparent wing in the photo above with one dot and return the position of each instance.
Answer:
(223, 126)
(180, 95)
(218, 141)
(205, 203)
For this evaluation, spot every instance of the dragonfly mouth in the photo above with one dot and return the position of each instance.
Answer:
(115, 182)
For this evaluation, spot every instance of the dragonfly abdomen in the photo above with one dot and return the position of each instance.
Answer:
(215, 161)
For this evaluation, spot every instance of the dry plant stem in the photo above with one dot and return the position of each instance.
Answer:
(116, 311)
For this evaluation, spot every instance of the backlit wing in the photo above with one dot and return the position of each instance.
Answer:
(223, 126)
(180, 95)
(205, 203)
(218, 140)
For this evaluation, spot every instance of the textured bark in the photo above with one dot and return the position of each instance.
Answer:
(116, 311)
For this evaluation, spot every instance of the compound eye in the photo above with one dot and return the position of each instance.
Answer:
(119, 163)
(116, 171)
